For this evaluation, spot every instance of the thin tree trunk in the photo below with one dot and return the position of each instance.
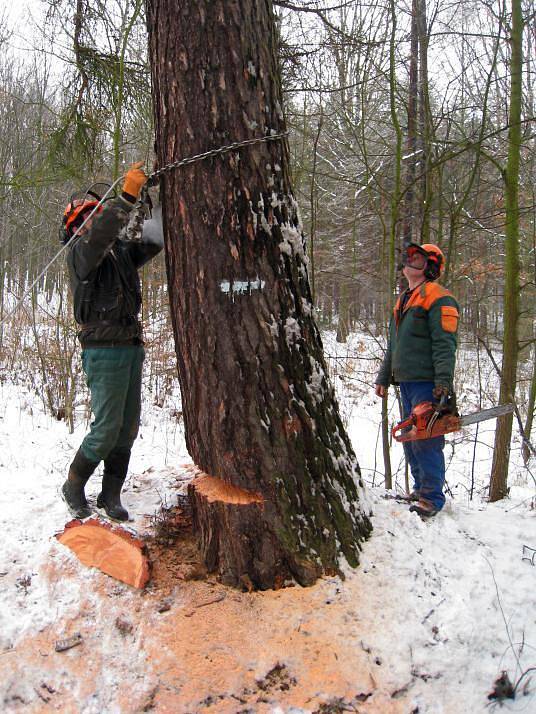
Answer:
(530, 410)
(314, 207)
(425, 124)
(408, 227)
(395, 210)
(501, 454)
(279, 497)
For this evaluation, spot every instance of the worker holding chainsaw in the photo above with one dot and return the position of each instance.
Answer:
(420, 358)
(103, 270)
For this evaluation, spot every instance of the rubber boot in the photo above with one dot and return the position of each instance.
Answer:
(115, 473)
(72, 490)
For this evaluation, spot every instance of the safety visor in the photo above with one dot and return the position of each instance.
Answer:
(415, 257)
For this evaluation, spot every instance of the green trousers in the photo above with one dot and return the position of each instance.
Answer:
(113, 375)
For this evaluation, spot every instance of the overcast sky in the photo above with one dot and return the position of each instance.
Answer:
(21, 16)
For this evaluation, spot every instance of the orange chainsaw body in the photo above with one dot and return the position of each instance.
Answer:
(425, 422)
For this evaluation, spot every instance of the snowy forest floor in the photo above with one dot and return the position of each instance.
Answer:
(427, 623)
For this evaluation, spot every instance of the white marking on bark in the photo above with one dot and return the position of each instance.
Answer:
(241, 287)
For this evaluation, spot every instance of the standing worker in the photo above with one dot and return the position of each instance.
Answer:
(420, 357)
(103, 271)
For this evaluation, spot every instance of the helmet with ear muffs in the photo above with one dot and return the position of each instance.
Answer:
(80, 204)
(435, 262)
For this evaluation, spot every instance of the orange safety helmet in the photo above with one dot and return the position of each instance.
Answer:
(80, 204)
(435, 260)
(75, 213)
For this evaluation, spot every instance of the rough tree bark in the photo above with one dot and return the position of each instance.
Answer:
(280, 494)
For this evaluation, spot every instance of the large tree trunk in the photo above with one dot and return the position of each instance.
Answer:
(279, 493)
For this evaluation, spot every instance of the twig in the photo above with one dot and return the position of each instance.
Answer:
(218, 598)
(526, 441)
(516, 685)
(502, 613)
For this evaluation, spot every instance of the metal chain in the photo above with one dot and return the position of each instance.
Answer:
(214, 152)
(152, 178)
(134, 228)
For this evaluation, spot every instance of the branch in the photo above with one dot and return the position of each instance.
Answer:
(305, 8)
(319, 12)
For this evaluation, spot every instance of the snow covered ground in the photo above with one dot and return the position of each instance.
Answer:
(434, 614)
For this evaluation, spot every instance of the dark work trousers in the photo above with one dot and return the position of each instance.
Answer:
(425, 456)
(113, 375)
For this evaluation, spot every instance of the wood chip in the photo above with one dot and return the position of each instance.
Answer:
(69, 642)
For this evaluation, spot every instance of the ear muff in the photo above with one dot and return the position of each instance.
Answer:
(432, 270)
(435, 263)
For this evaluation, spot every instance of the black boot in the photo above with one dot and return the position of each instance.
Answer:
(72, 490)
(115, 473)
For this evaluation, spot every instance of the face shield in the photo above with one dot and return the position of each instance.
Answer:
(415, 257)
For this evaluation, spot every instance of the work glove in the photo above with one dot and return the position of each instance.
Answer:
(440, 391)
(135, 179)
(446, 399)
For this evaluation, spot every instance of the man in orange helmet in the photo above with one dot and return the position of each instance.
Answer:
(103, 271)
(420, 357)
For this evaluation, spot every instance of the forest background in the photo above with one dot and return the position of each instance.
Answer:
(408, 121)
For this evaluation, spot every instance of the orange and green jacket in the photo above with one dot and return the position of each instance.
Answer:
(422, 338)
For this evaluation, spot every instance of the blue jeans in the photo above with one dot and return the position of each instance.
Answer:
(425, 456)
(114, 380)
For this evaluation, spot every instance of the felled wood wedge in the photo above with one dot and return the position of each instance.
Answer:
(111, 549)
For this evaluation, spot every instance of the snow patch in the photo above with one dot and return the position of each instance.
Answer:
(292, 331)
(292, 243)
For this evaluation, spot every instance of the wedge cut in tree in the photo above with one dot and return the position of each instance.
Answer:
(277, 494)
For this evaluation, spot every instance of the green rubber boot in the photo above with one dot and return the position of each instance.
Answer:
(72, 490)
(115, 473)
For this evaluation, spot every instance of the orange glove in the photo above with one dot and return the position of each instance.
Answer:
(135, 179)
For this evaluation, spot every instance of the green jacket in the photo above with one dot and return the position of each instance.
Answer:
(103, 271)
(422, 338)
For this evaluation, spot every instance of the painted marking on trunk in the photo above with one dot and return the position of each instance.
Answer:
(241, 287)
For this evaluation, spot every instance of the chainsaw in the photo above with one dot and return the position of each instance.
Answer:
(428, 420)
